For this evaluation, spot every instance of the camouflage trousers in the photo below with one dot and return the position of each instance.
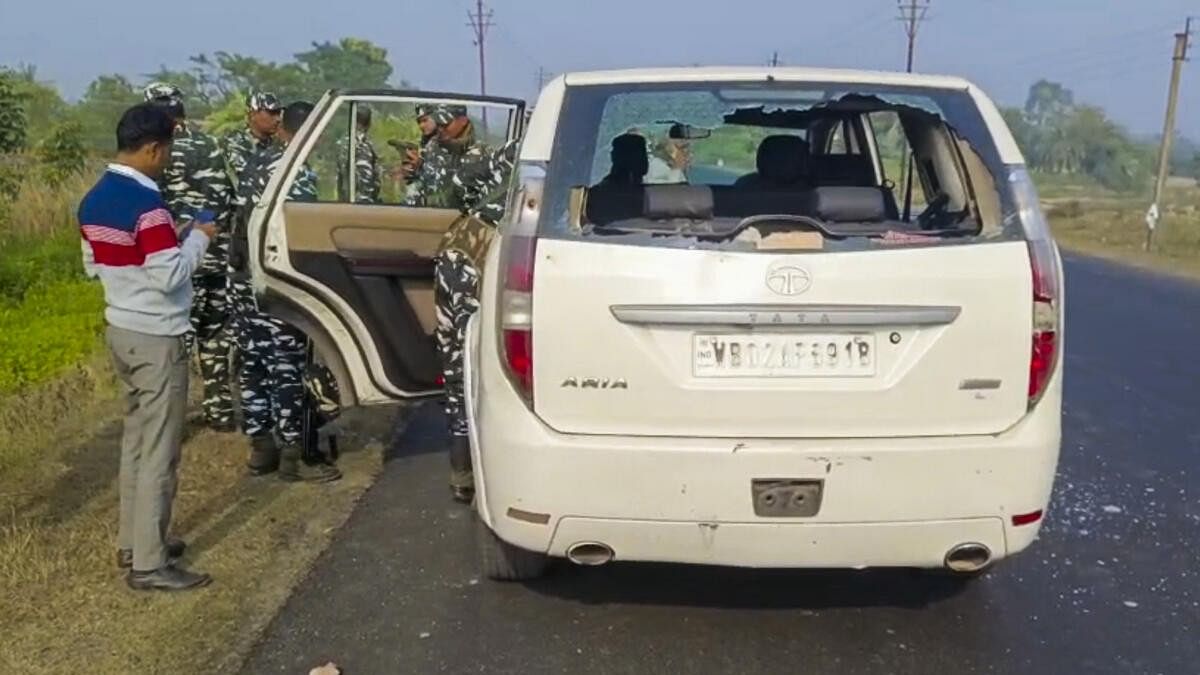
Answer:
(456, 297)
(212, 344)
(271, 373)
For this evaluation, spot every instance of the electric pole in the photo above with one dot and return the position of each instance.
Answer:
(775, 60)
(1164, 152)
(912, 13)
(542, 76)
(480, 22)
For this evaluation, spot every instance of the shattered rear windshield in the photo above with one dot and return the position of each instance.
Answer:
(801, 166)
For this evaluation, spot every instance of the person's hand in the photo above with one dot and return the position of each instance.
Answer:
(209, 229)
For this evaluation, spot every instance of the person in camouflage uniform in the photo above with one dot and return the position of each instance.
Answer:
(196, 180)
(242, 147)
(367, 181)
(480, 185)
(432, 183)
(273, 352)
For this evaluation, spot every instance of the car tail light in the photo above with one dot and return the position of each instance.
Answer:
(1047, 285)
(518, 261)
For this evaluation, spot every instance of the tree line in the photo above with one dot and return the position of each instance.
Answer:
(1058, 134)
(1062, 136)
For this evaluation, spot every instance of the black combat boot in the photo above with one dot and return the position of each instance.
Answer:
(293, 470)
(264, 455)
(462, 479)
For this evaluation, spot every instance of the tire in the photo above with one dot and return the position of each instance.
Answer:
(501, 561)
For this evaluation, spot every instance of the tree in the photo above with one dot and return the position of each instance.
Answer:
(352, 63)
(42, 102)
(12, 114)
(102, 105)
(1048, 101)
(62, 153)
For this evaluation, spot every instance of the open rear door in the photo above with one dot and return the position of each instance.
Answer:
(354, 269)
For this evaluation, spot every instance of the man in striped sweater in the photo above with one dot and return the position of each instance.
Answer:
(131, 244)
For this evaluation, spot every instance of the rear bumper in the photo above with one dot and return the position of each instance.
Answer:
(886, 502)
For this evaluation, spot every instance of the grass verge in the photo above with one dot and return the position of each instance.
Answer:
(66, 608)
(1116, 230)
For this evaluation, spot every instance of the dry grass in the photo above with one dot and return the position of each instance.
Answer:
(66, 608)
(1116, 229)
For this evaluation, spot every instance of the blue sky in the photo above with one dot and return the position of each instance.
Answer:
(1115, 53)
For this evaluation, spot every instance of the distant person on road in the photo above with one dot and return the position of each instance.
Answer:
(131, 244)
(274, 353)
(196, 180)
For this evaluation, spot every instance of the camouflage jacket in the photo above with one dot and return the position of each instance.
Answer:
(242, 149)
(433, 185)
(253, 185)
(481, 187)
(304, 188)
(366, 171)
(196, 179)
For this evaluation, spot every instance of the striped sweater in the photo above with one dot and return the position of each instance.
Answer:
(130, 244)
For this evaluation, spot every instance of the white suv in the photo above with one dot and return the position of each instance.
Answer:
(753, 317)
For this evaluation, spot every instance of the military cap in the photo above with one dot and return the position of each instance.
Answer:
(161, 91)
(424, 110)
(445, 114)
(263, 100)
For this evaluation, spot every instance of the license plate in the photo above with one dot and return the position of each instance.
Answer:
(784, 355)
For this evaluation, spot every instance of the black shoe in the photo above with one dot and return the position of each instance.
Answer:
(167, 578)
(175, 549)
(293, 470)
(264, 455)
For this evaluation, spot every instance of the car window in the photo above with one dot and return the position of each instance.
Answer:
(365, 155)
(608, 138)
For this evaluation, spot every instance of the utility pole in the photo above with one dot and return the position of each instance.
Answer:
(912, 13)
(480, 22)
(775, 60)
(1164, 152)
(542, 76)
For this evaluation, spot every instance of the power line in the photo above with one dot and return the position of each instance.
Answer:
(480, 22)
(912, 14)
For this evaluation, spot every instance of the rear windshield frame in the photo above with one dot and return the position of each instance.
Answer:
(574, 149)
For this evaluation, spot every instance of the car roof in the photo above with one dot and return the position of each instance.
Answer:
(744, 73)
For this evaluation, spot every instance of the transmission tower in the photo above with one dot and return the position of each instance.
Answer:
(480, 21)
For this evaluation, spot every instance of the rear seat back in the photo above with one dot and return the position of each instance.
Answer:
(606, 204)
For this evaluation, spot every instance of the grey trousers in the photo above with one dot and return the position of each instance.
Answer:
(154, 373)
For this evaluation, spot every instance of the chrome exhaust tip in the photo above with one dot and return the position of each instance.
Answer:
(589, 554)
(968, 558)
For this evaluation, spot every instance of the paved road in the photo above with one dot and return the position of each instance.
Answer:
(1112, 587)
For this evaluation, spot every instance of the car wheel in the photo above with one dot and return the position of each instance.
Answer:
(501, 561)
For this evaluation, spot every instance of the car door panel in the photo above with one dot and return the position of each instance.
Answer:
(364, 272)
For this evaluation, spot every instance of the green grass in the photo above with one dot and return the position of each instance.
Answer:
(50, 314)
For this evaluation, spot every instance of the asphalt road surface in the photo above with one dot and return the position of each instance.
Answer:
(1112, 587)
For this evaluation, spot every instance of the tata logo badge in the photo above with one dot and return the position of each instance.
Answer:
(788, 279)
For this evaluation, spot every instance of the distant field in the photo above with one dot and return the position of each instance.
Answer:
(1113, 226)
